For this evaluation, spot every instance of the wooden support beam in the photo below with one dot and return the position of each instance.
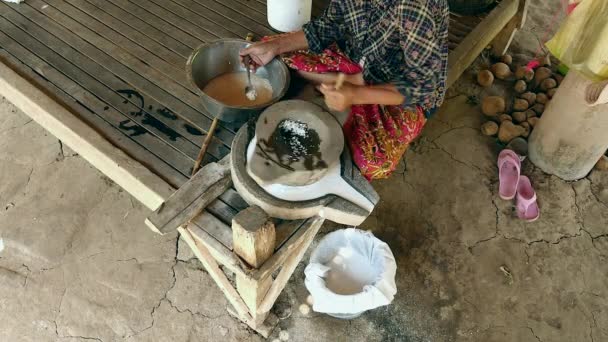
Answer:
(222, 254)
(253, 292)
(203, 254)
(132, 176)
(253, 236)
(253, 240)
(502, 41)
(278, 258)
(466, 52)
(289, 267)
(190, 199)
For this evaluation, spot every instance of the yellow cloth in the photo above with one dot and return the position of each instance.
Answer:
(582, 41)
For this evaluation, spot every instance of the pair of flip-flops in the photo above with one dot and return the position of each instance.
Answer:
(514, 185)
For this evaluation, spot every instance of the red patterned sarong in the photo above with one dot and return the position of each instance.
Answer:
(378, 135)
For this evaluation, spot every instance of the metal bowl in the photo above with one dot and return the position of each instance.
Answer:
(213, 59)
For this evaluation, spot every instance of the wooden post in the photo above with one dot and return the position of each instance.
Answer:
(253, 236)
(253, 293)
(253, 239)
(503, 40)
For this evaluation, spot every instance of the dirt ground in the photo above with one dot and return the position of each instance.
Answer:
(77, 262)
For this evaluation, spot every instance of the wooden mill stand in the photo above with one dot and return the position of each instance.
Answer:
(262, 253)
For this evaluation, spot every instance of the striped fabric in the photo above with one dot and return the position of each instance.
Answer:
(403, 42)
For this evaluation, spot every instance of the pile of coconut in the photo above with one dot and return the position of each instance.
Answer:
(512, 118)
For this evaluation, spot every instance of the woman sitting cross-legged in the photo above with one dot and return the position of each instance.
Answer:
(394, 53)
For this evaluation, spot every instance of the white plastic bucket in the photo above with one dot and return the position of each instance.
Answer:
(288, 15)
(350, 272)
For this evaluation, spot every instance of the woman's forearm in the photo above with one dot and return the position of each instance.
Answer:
(290, 42)
(383, 94)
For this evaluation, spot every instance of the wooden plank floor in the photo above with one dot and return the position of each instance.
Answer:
(120, 66)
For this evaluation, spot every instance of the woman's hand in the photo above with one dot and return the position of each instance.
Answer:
(338, 100)
(261, 53)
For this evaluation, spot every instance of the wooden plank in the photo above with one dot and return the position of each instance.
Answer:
(220, 252)
(135, 178)
(178, 161)
(88, 39)
(258, 6)
(191, 198)
(222, 211)
(501, 43)
(462, 56)
(503, 40)
(234, 200)
(162, 115)
(72, 102)
(194, 24)
(142, 48)
(216, 273)
(186, 95)
(144, 28)
(159, 23)
(290, 265)
(214, 227)
(227, 17)
(72, 49)
(130, 109)
(282, 253)
(242, 9)
(253, 292)
(285, 230)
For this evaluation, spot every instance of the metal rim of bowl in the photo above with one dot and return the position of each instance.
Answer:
(195, 53)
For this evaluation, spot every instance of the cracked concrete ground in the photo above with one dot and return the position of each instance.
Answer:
(77, 262)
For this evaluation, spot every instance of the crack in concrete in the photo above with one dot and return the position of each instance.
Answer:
(27, 275)
(29, 178)
(19, 126)
(534, 334)
(61, 153)
(595, 323)
(560, 239)
(437, 146)
(496, 231)
(528, 244)
(589, 322)
(581, 220)
(16, 273)
(452, 128)
(164, 297)
(89, 338)
(131, 259)
(593, 192)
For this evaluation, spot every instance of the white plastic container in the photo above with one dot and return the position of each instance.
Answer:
(289, 15)
(572, 134)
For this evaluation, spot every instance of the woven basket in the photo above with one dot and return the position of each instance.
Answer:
(469, 7)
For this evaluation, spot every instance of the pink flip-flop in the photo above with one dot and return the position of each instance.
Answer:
(509, 167)
(527, 208)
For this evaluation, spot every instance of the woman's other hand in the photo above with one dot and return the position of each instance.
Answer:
(338, 100)
(261, 53)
